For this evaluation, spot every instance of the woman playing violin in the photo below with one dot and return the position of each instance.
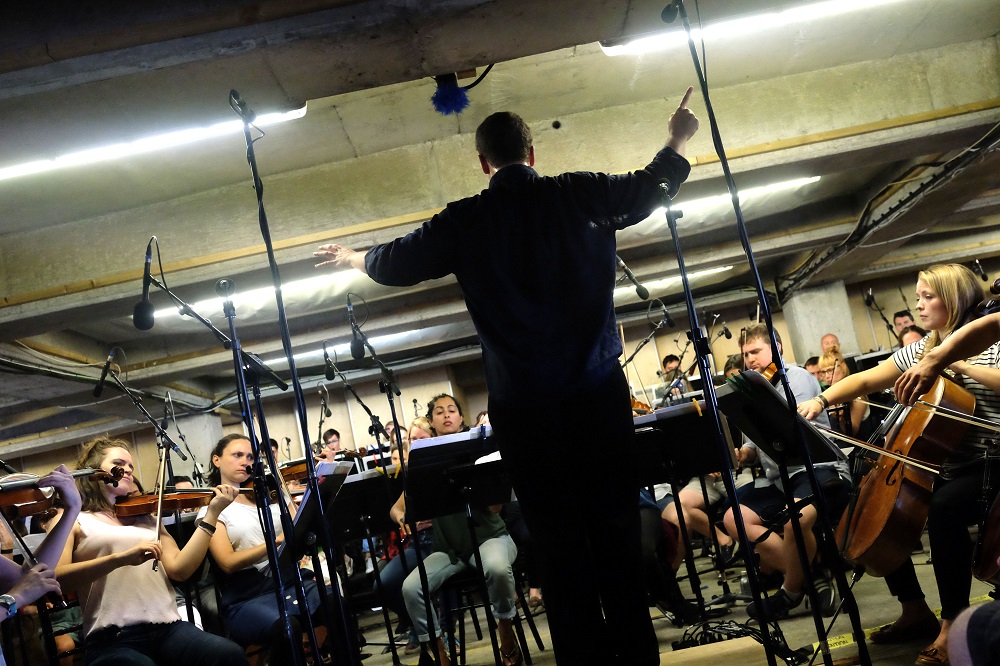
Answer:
(239, 548)
(129, 612)
(945, 294)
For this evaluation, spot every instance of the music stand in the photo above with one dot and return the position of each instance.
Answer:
(757, 409)
(677, 443)
(331, 477)
(360, 510)
(443, 478)
(435, 480)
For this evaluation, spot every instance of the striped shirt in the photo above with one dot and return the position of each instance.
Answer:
(970, 450)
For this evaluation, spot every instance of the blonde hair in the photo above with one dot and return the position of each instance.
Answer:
(832, 356)
(959, 290)
(421, 422)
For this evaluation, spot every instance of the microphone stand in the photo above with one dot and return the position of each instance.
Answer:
(873, 305)
(826, 537)
(660, 324)
(226, 289)
(197, 476)
(387, 385)
(376, 428)
(345, 651)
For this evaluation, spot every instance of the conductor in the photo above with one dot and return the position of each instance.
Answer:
(535, 259)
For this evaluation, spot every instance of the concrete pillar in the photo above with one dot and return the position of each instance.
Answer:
(201, 431)
(814, 312)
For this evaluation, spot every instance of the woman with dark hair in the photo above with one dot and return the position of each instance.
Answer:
(239, 548)
(454, 552)
(129, 612)
(946, 295)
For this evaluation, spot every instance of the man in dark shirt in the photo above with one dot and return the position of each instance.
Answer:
(535, 258)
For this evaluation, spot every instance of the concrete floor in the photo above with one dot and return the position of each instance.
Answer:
(877, 608)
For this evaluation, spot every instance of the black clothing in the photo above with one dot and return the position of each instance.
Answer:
(535, 257)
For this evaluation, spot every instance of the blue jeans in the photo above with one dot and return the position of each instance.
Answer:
(498, 555)
(250, 621)
(178, 643)
(396, 571)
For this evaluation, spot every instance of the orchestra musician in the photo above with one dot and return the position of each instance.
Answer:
(21, 586)
(238, 546)
(129, 612)
(853, 417)
(945, 294)
(779, 551)
(454, 552)
(535, 259)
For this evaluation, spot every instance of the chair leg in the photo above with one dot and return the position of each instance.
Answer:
(528, 618)
(521, 640)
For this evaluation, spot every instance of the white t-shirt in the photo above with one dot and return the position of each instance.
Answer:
(243, 526)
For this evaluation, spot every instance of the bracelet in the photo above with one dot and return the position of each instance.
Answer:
(823, 401)
(208, 528)
(6, 551)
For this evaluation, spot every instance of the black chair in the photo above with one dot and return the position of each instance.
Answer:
(464, 589)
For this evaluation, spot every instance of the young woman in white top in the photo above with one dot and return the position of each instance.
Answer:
(240, 551)
(129, 612)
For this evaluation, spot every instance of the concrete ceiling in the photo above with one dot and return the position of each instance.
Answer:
(881, 103)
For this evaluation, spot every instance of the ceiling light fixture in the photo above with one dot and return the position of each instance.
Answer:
(145, 145)
(703, 204)
(743, 26)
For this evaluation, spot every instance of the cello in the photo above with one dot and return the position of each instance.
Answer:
(894, 497)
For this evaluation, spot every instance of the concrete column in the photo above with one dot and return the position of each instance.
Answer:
(814, 312)
(202, 431)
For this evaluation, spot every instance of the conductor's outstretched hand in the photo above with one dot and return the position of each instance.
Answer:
(682, 124)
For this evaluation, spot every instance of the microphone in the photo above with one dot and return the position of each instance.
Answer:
(166, 412)
(331, 374)
(667, 317)
(640, 291)
(357, 344)
(726, 332)
(325, 399)
(869, 298)
(104, 374)
(142, 314)
(977, 268)
(995, 289)
(669, 13)
(240, 107)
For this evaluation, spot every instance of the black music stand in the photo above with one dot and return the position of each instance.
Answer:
(676, 443)
(359, 511)
(755, 407)
(443, 478)
(331, 478)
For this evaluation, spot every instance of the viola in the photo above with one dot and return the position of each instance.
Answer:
(896, 495)
(20, 495)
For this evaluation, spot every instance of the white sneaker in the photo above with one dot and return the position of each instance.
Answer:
(369, 566)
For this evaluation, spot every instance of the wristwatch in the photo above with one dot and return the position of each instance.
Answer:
(8, 603)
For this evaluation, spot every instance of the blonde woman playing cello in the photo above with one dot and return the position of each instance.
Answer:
(945, 294)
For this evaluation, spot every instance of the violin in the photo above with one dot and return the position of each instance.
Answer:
(20, 495)
(640, 407)
(176, 500)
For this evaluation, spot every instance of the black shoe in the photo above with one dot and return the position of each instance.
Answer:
(826, 593)
(727, 555)
(775, 607)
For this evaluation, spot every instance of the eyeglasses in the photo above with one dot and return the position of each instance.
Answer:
(827, 371)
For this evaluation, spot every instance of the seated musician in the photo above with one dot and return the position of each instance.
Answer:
(238, 546)
(759, 503)
(453, 553)
(22, 586)
(910, 334)
(693, 502)
(945, 293)
(853, 418)
(129, 613)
